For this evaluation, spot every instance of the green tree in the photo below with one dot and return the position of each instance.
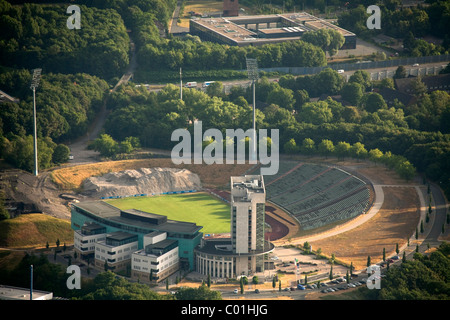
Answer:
(200, 293)
(215, 89)
(255, 280)
(352, 92)
(373, 101)
(308, 146)
(291, 147)
(400, 72)
(106, 145)
(282, 97)
(361, 77)
(358, 150)
(342, 149)
(60, 154)
(326, 147)
(315, 112)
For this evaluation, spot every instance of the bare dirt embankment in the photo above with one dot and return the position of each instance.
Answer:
(394, 223)
(141, 181)
(45, 190)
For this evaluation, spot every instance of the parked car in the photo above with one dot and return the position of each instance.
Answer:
(235, 291)
(300, 287)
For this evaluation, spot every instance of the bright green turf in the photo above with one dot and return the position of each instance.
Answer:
(201, 208)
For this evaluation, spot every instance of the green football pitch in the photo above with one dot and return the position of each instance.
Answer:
(203, 209)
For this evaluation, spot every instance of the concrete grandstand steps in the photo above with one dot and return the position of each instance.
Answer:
(317, 195)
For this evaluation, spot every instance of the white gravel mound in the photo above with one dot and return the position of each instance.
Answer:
(141, 181)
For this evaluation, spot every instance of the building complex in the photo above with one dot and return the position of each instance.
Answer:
(263, 29)
(145, 243)
(151, 247)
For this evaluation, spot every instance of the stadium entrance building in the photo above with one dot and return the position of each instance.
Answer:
(243, 253)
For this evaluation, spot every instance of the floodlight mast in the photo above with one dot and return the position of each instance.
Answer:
(252, 71)
(181, 86)
(34, 84)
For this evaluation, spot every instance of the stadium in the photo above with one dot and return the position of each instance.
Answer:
(312, 196)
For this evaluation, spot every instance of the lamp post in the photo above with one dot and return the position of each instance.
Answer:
(181, 86)
(252, 72)
(34, 84)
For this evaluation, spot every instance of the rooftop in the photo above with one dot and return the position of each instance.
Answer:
(236, 29)
(134, 218)
(224, 247)
(15, 293)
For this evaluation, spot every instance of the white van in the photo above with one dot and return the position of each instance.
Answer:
(207, 83)
(191, 85)
(340, 71)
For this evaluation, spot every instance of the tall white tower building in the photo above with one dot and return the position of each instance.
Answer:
(248, 198)
(243, 253)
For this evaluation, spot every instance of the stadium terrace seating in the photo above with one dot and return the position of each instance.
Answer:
(317, 195)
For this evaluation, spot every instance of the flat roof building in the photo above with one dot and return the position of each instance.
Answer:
(16, 293)
(263, 29)
(138, 223)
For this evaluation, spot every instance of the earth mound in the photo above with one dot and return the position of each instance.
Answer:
(141, 181)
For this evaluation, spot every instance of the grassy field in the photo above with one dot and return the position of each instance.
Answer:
(34, 230)
(201, 208)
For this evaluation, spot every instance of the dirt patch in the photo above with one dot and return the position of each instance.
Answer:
(210, 175)
(394, 223)
(382, 175)
(141, 181)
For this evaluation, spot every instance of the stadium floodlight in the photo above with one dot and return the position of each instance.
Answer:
(34, 84)
(181, 86)
(252, 72)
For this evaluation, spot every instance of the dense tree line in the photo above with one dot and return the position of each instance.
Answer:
(37, 36)
(407, 23)
(425, 277)
(287, 105)
(190, 53)
(52, 277)
(65, 106)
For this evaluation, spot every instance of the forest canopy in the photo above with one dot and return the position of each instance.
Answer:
(36, 36)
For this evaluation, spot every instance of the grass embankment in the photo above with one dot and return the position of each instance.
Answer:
(34, 230)
(201, 208)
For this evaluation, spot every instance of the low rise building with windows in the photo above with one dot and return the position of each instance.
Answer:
(158, 260)
(86, 238)
(114, 253)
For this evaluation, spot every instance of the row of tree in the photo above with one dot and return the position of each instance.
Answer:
(357, 150)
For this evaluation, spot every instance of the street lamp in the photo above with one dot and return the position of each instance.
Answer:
(252, 72)
(181, 86)
(34, 84)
